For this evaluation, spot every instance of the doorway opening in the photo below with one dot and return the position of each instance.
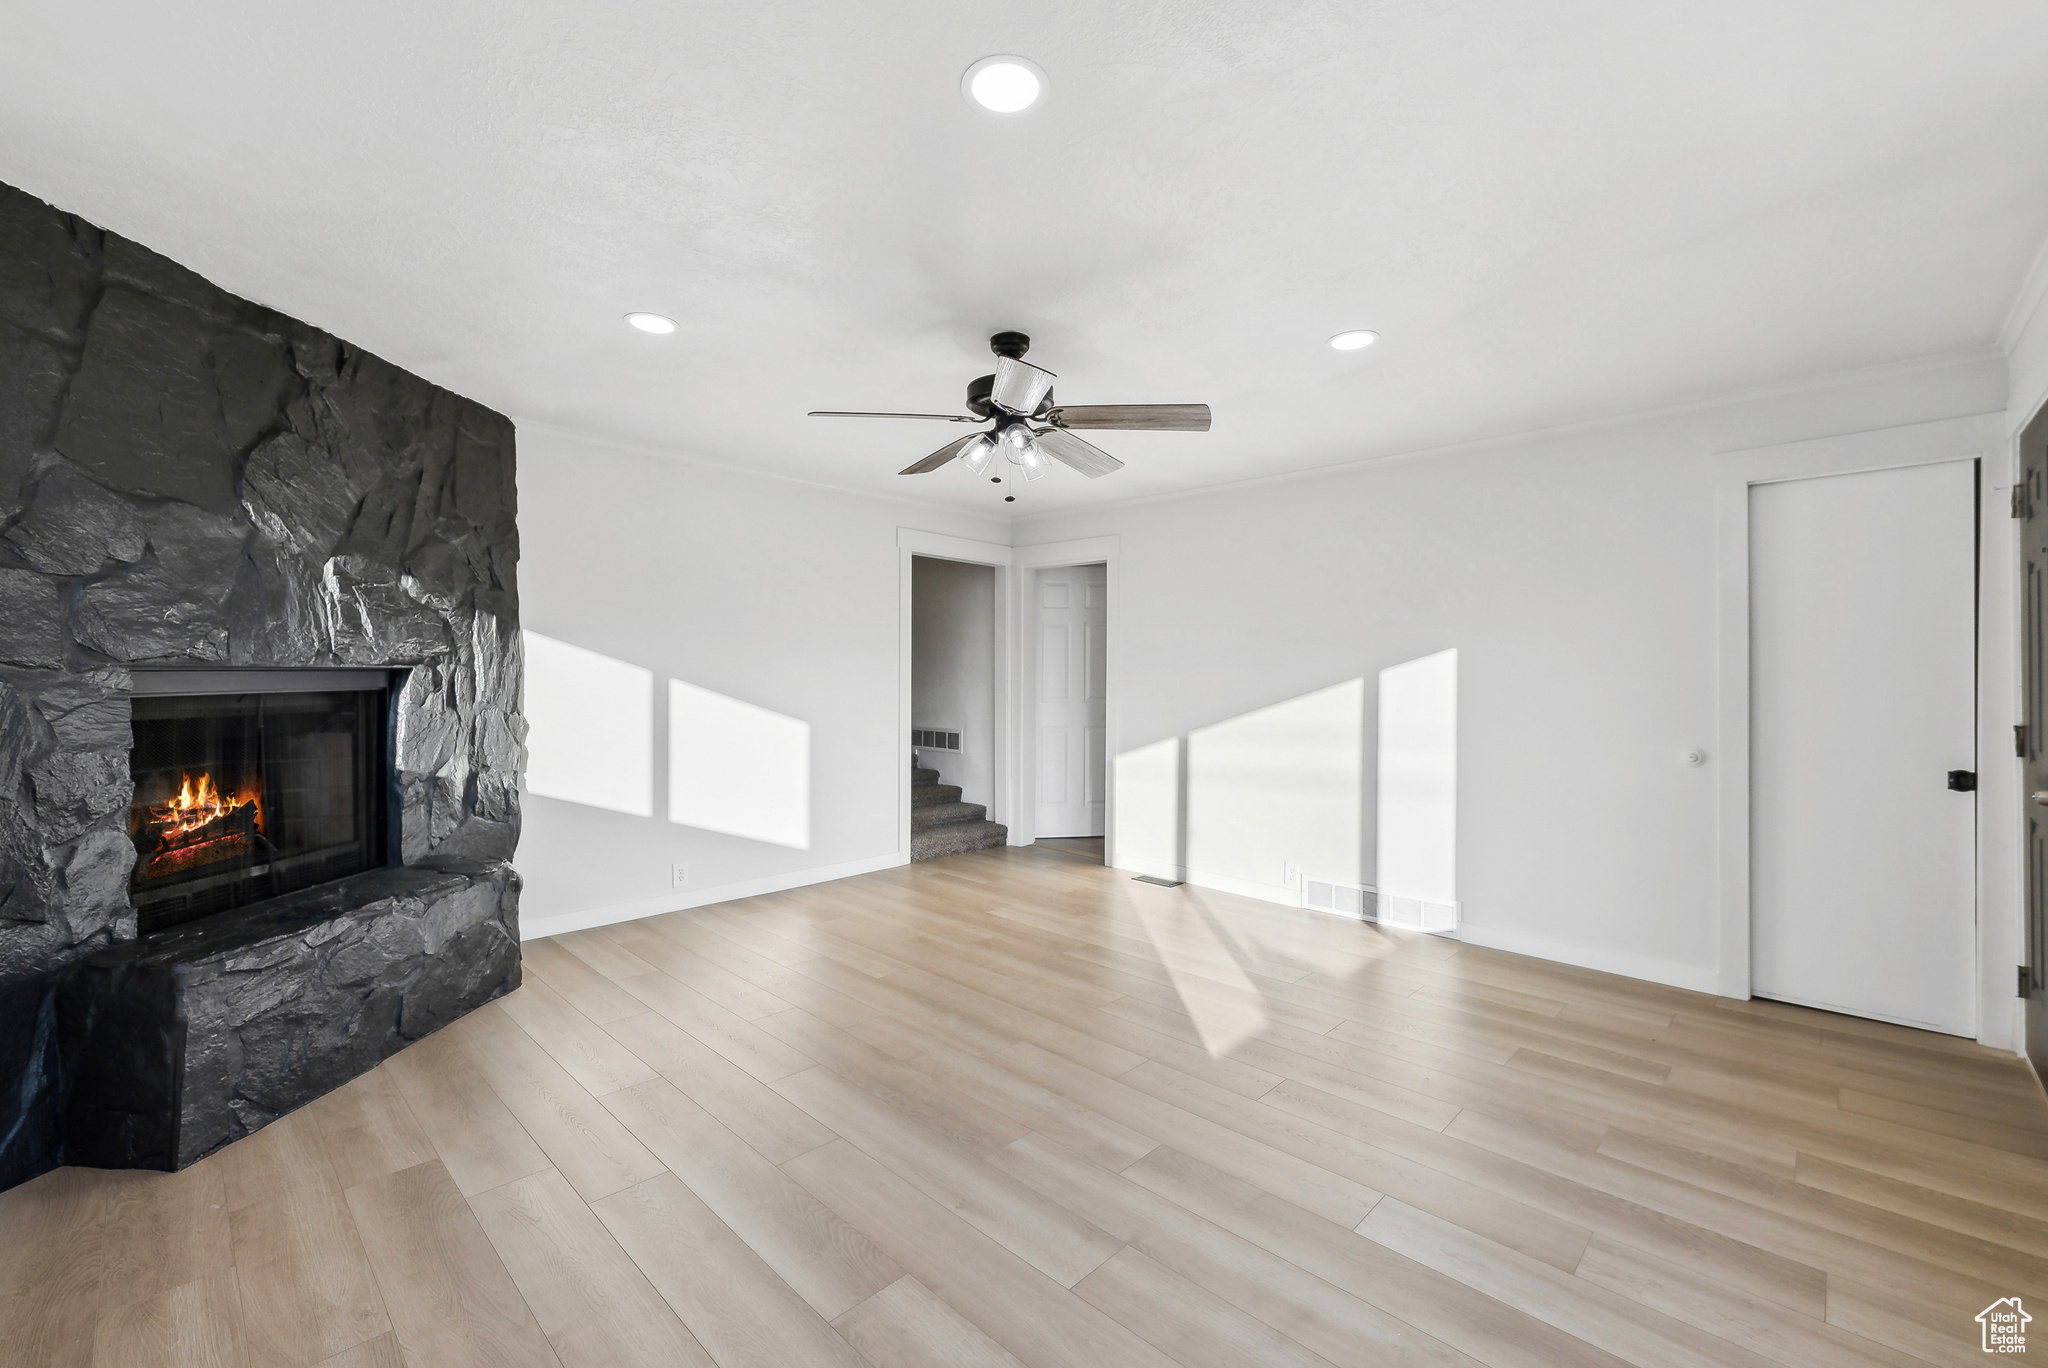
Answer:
(1069, 706)
(954, 729)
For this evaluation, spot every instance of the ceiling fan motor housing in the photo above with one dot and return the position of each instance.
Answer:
(979, 389)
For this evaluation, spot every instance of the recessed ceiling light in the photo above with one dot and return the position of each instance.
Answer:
(1003, 85)
(651, 323)
(1354, 340)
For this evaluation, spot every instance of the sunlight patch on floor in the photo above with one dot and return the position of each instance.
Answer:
(1219, 996)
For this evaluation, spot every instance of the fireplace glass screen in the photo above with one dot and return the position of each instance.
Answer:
(240, 797)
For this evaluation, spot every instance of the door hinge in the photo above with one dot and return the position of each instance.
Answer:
(2026, 980)
(2019, 501)
(2019, 740)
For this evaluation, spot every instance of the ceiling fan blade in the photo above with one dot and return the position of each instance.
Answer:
(1020, 387)
(1132, 417)
(1065, 447)
(940, 457)
(935, 417)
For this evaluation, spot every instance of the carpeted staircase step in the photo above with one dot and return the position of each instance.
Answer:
(956, 838)
(940, 814)
(940, 824)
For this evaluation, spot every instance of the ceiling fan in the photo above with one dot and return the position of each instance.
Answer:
(1019, 395)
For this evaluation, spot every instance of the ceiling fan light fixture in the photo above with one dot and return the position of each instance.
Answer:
(1358, 339)
(1003, 84)
(1022, 452)
(978, 452)
(658, 324)
(1016, 443)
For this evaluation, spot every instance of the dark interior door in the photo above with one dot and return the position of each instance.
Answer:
(2031, 504)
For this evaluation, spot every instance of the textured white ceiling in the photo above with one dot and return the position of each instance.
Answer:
(1551, 211)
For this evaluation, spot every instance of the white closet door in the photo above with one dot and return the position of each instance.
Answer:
(1863, 608)
(1073, 630)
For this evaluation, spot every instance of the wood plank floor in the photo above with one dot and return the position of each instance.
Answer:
(1015, 1108)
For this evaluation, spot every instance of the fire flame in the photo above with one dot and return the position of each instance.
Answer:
(197, 803)
(175, 835)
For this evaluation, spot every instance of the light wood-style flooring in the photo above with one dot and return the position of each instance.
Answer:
(1013, 1107)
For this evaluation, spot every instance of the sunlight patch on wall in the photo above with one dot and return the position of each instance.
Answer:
(591, 721)
(738, 769)
(1282, 784)
(1232, 805)
(1418, 780)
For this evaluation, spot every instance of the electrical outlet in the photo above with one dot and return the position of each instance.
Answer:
(1292, 875)
(679, 876)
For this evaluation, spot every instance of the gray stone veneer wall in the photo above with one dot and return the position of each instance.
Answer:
(189, 478)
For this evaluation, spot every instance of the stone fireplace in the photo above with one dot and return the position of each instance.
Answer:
(259, 706)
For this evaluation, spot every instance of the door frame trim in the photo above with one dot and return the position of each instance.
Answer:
(911, 543)
(1015, 780)
(1981, 438)
(2031, 429)
(1023, 615)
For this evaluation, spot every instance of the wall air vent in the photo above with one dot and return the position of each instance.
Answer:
(935, 738)
(1414, 914)
(1369, 904)
(1343, 899)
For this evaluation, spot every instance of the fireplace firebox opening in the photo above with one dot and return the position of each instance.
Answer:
(253, 784)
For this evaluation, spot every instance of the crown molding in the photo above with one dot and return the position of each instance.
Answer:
(1888, 370)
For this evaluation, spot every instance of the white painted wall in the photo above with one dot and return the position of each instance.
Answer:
(1148, 809)
(770, 592)
(2025, 338)
(1273, 786)
(737, 768)
(1573, 571)
(1417, 792)
(953, 668)
(597, 748)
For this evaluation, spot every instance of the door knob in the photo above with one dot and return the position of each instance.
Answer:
(2041, 797)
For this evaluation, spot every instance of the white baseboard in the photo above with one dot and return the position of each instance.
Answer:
(1246, 888)
(1222, 883)
(534, 928)
(1698, 978)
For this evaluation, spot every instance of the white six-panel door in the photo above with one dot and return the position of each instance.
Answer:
(1073, 630)
(1862, 697)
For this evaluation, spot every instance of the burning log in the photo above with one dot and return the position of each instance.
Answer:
(201, 826)
(172, 830)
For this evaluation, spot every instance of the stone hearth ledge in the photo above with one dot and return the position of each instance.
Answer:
(186, 1040)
